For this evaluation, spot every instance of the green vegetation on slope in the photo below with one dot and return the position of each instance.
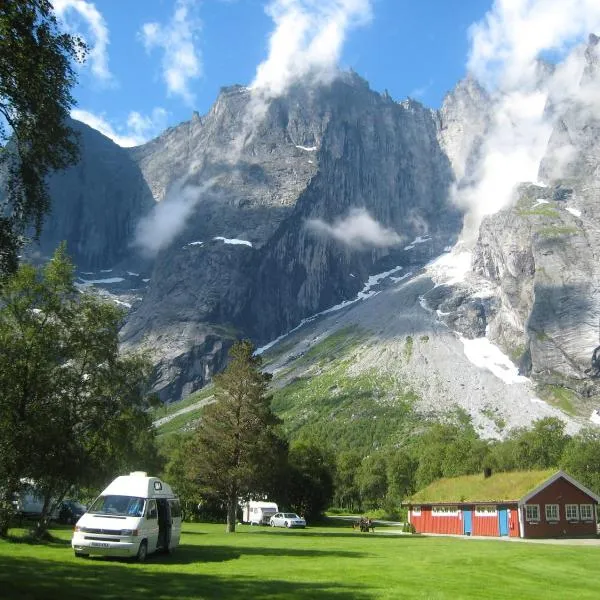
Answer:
(363, 411)
(327, 563)
(165, 410)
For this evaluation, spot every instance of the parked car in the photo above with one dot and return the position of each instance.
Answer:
(69, 511)
(287, 520)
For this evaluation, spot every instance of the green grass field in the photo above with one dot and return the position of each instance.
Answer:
(328, 563)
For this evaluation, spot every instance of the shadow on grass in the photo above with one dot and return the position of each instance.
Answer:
(36, 579)
(336, 533)
(202, 554)
(47, 540)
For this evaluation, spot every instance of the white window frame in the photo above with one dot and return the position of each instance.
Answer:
(552, 519)
(532, 519)
(571, 507)
(416, 511)
(444, 511)
(588, 507)
(486, 511)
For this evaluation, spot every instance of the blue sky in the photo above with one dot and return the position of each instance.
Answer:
(409, 48)
(152, 62)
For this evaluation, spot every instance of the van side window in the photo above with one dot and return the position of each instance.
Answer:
(151, 512)
(175, 509)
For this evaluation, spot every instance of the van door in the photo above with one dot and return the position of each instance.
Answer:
(164, 523)
(149, 525)
(175, 507)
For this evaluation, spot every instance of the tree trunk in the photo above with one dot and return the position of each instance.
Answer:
(232, 504)
(7, 508)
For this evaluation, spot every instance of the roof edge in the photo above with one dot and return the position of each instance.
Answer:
(554, 478)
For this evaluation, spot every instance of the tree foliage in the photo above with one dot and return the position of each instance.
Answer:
(72, 409)
(581, 458)
(311, 471)
(36, 78)
(236, 446)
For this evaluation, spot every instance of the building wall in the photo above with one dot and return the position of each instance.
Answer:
(426, 522)
(489, 525)
(560, 492)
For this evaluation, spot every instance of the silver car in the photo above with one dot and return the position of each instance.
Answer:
(287, 520)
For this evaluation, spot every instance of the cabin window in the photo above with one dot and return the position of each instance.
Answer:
(416, 511)
(532, 512)
(485, 511)
(151, 512)
(552, 513)
(587, 512)
(572, 512)
(444, 511)
(175, 508)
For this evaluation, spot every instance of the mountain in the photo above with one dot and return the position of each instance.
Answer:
(95, 203)
(317, 154)
(322, 225)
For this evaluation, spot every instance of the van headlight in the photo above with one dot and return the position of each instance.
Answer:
(129, 532)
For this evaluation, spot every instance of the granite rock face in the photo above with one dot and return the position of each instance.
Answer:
(316, 155)
(95, 203)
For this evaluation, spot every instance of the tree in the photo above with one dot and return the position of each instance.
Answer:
(236, 445)
(177, 450)
(36, 78)
(311, 471)
(372, 480)
(72, 409)
(347, 493)
(540, 447)
(581, 458)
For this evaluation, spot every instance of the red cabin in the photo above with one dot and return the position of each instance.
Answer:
(531, 504)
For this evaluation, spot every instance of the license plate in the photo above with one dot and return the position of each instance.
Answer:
(100, 545)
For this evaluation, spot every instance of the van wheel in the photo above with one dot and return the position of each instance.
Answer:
(287, 524)
(81, 554)
(142, 552)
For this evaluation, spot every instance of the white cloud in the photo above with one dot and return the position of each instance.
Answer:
(305, 44)
(357, 230)
(506, 47)
(181, 60)
(139, 128)
(73, 13)
(307, 40)
(168, 218)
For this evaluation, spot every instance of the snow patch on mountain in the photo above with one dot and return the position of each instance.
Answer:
(233, 241)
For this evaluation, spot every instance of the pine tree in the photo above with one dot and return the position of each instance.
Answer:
(236, 446)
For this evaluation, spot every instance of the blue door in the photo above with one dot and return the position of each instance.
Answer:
(503, 521)
(468, 521)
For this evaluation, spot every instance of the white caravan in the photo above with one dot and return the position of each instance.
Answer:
(258, 512)
(133, 516)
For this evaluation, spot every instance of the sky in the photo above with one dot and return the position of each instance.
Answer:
(153, 62)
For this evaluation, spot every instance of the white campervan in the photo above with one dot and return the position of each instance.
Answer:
(133, 516)
(258, 512)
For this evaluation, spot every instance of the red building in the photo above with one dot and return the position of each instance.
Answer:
(531, 504)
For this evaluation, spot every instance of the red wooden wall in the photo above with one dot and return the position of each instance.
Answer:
(482, 525)
(559, 492)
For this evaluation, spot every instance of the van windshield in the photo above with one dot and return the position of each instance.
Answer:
(120, 506)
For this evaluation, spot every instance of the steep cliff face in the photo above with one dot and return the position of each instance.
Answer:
(95, 203)
(542, 254)
(545, 263)
(317, 154)
(463, 121)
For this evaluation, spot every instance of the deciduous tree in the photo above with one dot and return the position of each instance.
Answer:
(72, 408)
(36, 78)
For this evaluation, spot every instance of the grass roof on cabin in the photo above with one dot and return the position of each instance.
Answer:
(477, 488)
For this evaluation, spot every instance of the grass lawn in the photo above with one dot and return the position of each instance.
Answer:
(329, 563)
